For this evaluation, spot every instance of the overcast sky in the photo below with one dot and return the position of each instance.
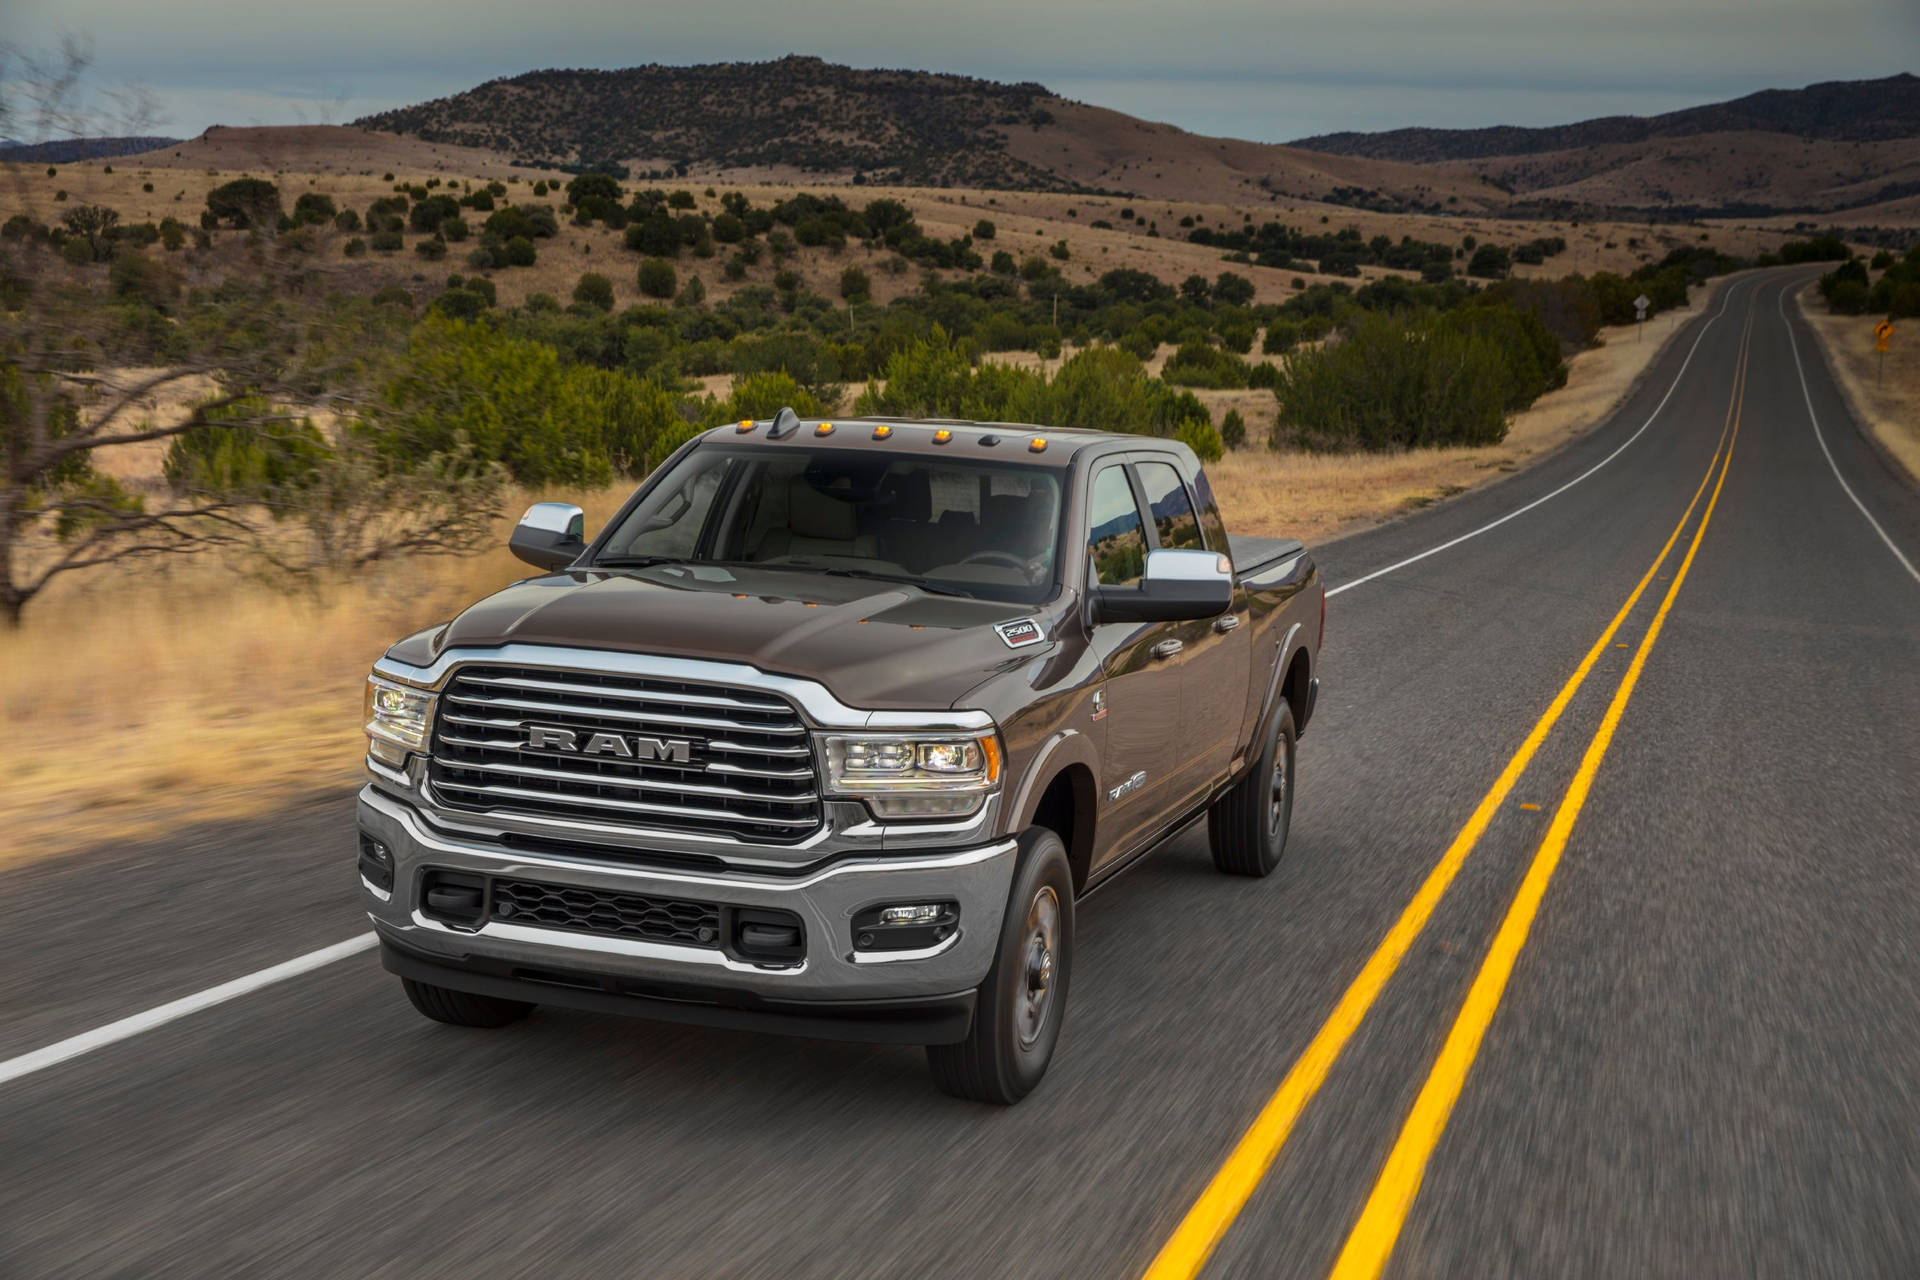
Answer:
(1265, 69)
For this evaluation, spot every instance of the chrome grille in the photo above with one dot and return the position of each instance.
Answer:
(749, 773)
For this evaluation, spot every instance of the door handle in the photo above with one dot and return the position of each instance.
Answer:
(1167, 648)
(1228, 623)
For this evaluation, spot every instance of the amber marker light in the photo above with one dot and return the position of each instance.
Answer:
(882, 432)
(1037, 445)
(824, 429)
(746, 424)
(942, 436)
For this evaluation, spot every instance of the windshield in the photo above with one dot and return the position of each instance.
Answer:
(972, 527)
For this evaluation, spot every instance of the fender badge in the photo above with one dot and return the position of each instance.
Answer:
(1019, 633)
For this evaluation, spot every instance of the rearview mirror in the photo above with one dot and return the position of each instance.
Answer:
(1176, 586)
(550, 536)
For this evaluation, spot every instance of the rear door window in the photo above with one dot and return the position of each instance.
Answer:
(1172, 510)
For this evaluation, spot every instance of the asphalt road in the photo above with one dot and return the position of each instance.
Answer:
(1703, 1063)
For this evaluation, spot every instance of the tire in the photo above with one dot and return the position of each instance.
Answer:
(1247, 827)
(463, 1008)
(1007, 1049)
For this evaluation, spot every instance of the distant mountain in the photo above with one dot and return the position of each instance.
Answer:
(798, 113)
(70, 150)
(1839, 111)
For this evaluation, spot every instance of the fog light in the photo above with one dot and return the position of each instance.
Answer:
(921, 913)
(906, 926)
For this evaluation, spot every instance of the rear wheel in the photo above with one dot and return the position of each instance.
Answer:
(1247, 827)
(1023, 1002)
(463, 1008)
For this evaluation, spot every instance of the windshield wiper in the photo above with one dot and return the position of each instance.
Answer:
(634, 562)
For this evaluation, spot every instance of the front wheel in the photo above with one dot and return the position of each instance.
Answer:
(1247, 827)
(1023, 1002)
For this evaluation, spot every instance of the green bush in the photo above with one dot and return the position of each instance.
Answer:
(1196, 364)
(1232, 290)
(1233, 429)
(245, 202)
(1199, 435)
(984, 230)
(657, 279)
(1490, 262)
(313, 207)
(854, 284)
(432, 249)
(354, 247)
(594, 291)
(1400, 380)
(520, 252)
(387, 242)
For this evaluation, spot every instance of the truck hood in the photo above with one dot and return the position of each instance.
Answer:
(873, 644)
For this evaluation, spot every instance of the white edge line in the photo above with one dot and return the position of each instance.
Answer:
(1814, 418)
(86, 1042)
(1434, 551)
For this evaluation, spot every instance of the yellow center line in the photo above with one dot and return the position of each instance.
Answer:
(1371, 1242)
(1199, 1232)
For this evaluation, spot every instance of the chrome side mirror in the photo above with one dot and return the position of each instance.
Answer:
(550, 536)
(1176, 586)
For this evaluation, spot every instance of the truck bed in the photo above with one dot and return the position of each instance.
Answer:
(1251, 554)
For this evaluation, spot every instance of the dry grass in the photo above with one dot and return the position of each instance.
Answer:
(186, 691)
(1886, 399)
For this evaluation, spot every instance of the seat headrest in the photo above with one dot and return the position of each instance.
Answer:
(813, 514)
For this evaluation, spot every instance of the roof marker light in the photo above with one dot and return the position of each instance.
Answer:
(824, 429)
(942, 436)
(746, 424)
(882, 432)
(1037, 445)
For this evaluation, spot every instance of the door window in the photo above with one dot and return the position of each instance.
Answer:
(1173, 518)
(1116, 539)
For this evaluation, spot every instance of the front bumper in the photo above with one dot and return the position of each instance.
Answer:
(655, 978)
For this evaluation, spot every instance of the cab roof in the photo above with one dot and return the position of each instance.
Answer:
(1010, 441)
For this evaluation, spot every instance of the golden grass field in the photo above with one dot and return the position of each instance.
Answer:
(195, 693)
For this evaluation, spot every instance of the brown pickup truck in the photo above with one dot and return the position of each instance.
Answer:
(826, 732)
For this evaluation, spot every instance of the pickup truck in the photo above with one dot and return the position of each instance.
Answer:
(826, 732)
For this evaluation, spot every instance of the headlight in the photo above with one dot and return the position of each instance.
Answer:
(397, 719)
(914, 776)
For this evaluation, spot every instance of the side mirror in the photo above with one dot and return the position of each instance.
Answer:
(1176, 586)
(550, 536)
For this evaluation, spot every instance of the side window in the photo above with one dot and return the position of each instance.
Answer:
(1210, 522)
(1116, 539)
(1173, 518)
(672, 526)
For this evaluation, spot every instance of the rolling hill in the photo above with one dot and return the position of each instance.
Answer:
(1822, 150)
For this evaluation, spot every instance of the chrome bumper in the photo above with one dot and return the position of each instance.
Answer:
(826, 901)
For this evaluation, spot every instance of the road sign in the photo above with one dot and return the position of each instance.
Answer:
(1640, 305)
(1882, 334)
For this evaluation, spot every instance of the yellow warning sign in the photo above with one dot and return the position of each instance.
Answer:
(1882, 332)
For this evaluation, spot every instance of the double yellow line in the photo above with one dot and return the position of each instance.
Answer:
(1373, 1236)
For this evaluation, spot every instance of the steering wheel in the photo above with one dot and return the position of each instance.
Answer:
(1006, 558)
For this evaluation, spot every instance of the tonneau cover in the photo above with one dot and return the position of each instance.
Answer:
(1250, 553)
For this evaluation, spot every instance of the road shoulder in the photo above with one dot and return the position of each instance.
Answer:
(1883, 402)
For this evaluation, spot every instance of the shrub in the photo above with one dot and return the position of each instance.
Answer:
(1199, 435)
(432, 248)
(354, 247)
(520, 252)
(655, 236)
(1196, 364)
(728, 228)
(1490, 262)
(594, 291)
(657, 279)
(346, 220)
(1232, 290)
(1060, 251)
(387, 242)
(313, 207)
(455, 229)
(427, 215)
(1233, 430)
(693, 294)
(1002, 264)
(245, 202)
(855, 284)
(1264, 376)
(984, 230)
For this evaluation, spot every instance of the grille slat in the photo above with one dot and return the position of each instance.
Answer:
(606, 913)
(624, 716)
(753, 778)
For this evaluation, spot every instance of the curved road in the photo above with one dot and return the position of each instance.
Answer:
(1655, 1010)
